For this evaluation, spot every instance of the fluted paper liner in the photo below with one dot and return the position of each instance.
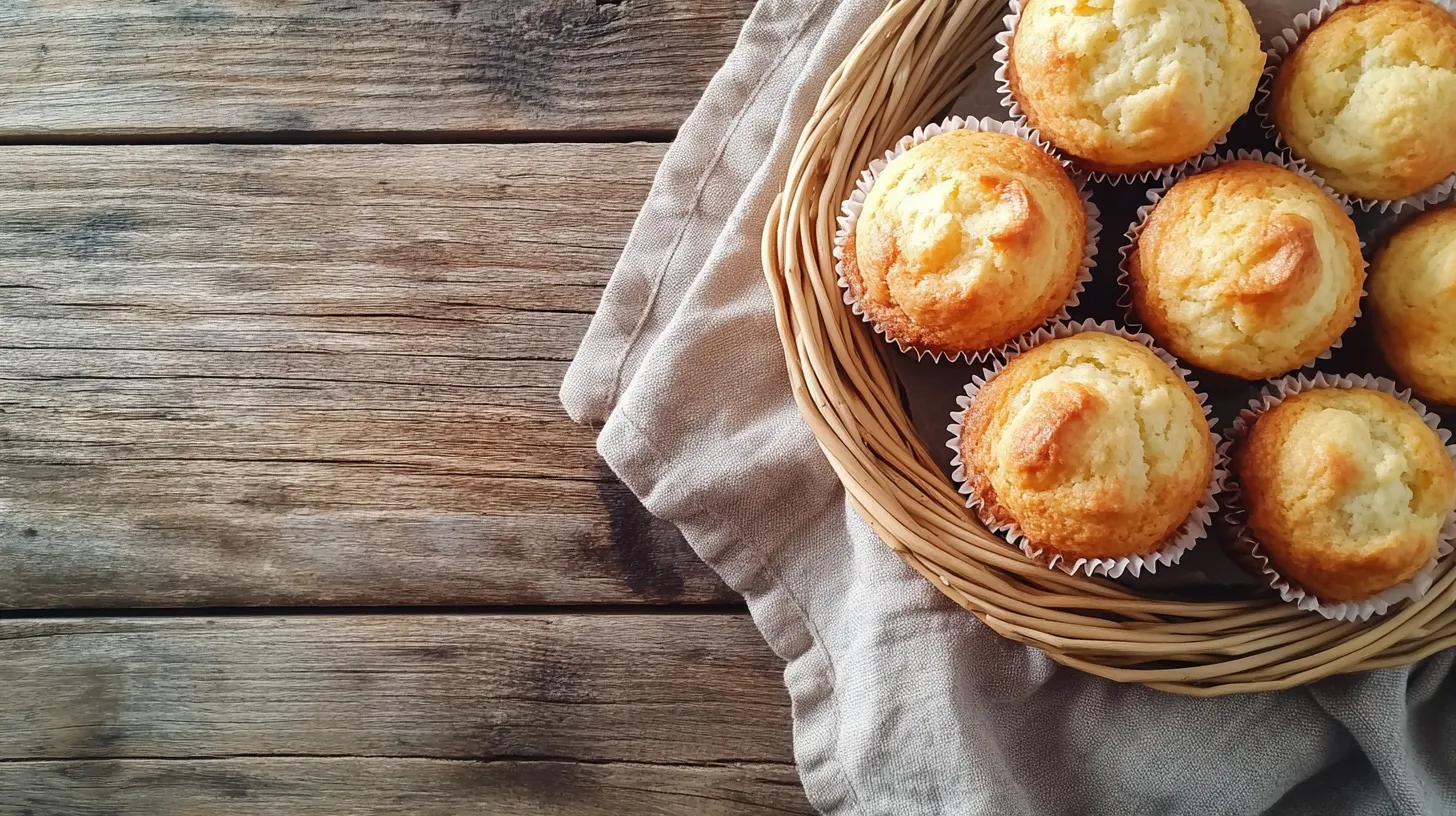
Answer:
(1251, 553)
(1194, 528)
(1203, 165)
(1279, 49)
(1386, 228)
(852, 207)
(1002, 56)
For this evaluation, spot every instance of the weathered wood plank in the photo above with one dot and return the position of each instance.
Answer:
(387, 787)
(137, 67)
(313, 375)
(667, 688)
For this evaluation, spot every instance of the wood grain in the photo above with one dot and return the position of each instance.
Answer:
(133, 68)
(270, 376)
(666, 688)
(235, 375)
(361, 786)
(506, 714)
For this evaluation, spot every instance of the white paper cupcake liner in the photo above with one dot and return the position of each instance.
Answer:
(1252, 553)
(1279, 49)
(1158, 191)
(852, 207)
(1002, 56)
(1386, 228)
(1194, 529)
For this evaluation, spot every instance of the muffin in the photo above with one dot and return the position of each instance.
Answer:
(966, 241)
(1247, 269)
(1091, 445)
(1346, 491)
(1368, 98)
(1137, 85)
(1413, 297)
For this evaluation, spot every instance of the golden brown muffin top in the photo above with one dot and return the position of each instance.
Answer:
(966, 241)
(1346, 490)
(1092, 445)
(1247, 269)
(1413, 298)
(1368, 98)
(1136, 84)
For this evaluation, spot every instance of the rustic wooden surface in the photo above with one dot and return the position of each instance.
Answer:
(660, 688)
(291, 520)
(533, 709)
(361, 786)
(314, 374)
(350, 69)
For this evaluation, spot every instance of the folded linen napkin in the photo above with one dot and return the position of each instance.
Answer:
(902, 702)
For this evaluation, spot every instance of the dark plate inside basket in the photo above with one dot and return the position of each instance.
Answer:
(930, 389)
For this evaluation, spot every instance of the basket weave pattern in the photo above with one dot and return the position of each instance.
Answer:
(917, 58)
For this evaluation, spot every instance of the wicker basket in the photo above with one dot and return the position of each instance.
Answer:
(906, 69)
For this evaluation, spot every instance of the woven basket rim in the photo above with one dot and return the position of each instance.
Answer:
(908, 66)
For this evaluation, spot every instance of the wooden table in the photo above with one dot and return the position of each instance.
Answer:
(291, 520)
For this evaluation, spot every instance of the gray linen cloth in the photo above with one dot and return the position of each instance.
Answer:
(902, 702)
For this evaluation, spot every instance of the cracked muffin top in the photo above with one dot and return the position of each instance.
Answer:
(966, 241)
(1368, 98)
(1247, 269)
(1346, 490)
(1413, 297)
(1134, 85)
(1091, 444)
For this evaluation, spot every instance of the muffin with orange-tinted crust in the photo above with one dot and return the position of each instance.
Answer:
(1137, 84)
(1346, 490)
(1368, 98)
(1091, 445)
(1413, 300)
(966, 241)
(1246, 269)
